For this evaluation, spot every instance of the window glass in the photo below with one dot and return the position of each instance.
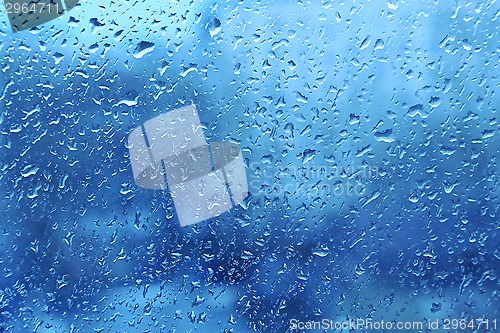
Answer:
(249, 166)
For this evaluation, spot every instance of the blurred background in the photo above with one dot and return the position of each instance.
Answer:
(370, 136)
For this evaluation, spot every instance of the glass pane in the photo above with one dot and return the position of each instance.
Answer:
(249, 166)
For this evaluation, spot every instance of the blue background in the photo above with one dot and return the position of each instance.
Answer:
(307, 89)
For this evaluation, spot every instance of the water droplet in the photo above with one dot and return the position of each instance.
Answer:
(143, 48)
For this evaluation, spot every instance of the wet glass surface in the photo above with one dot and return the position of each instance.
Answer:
(370, 137)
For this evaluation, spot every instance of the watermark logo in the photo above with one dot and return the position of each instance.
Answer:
(25, 14)
(205, 180)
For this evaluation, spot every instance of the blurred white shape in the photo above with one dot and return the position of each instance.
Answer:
(204, 180)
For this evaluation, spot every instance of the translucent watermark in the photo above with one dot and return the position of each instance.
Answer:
(355, 325)
(366, 324)
(26, 14)
(170, 151)
(310, 181)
